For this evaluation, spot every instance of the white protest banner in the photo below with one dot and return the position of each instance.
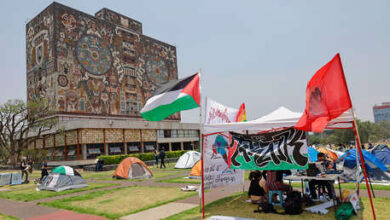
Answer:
(216, 170)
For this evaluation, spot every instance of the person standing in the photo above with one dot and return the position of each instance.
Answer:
(44, 172)
(162, 157)
(156, 157)
(24, 168)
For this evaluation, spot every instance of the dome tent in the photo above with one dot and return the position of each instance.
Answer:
(196, 171)
(132, 168)
(187, 160)
(382, 152)
(62, 178)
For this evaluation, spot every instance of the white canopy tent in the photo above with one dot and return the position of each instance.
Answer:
(280, 118)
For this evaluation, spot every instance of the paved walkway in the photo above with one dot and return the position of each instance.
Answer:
(24, 210)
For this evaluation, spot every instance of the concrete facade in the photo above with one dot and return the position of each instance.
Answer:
(382, 112)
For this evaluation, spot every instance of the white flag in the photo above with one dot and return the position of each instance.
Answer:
(217, 113)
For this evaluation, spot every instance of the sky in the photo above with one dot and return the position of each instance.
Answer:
(262, 53)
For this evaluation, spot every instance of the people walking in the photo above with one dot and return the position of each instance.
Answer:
(24, 168)
(156, 157)
(162, 157)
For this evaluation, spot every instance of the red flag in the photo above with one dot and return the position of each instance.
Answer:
(327, 97)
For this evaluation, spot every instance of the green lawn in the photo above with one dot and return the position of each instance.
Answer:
(30, 193)
(181, 180)
(7, 217)
(236, 205)
(120, 202)
(107, 175)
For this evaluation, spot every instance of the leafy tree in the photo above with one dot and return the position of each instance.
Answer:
(21, 124)
(368, 132)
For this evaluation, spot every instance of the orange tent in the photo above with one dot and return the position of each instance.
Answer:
(197, 169)
(132, 168)
(332, 156)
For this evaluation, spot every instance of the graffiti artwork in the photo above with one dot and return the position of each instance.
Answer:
(280, 150)
(100, 65)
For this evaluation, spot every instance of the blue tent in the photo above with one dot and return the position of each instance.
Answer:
(370, 160)
(382, 153)
(312, 154)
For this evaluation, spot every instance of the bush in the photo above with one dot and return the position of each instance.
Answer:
(116, 159)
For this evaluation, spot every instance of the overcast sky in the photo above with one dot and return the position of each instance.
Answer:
(258, 52)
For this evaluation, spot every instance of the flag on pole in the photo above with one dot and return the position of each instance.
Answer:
(327, 97)
(172, 97)
(241, 115)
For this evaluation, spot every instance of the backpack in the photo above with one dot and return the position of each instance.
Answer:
(293, 203)
(265, 207)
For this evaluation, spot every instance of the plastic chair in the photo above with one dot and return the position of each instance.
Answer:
(280, 194)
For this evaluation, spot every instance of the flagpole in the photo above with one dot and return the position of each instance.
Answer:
(357, 138)
(201, 141)
(358, 144)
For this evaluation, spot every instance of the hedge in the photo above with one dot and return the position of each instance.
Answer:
(116, 159)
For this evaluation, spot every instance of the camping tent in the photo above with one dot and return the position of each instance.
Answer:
(382, 152)
(370, 160)
(280, 118)
(312, 154)
(196, 171)
(187, 160)
(132, 168)
(329, 154)
(62, 178)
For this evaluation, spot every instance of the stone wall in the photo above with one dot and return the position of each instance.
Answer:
(91, 136)
(114, 135)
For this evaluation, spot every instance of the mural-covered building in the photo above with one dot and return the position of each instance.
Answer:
(96, 73)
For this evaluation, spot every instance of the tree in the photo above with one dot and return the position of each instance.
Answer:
(368, 132)
(21, 124)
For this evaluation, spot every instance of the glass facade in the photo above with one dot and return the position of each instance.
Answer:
(382, 112)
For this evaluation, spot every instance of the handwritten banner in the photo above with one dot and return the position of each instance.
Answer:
(279, 150)
(216, 169)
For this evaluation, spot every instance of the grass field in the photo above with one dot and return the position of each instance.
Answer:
(6, 217)
(29, 193)
(107, 175)
(237, 206)
(119, 202)
(181, 180)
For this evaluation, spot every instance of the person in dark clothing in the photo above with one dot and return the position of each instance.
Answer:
(275, 180)
(326, 164)
(255, 192)
(44, 172)
(24, 168)
(162, 157)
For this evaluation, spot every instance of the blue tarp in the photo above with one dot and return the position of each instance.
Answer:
(312, 154)
(383, 154)
(370, 160)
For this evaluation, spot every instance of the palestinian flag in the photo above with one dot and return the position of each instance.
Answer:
(172, 97)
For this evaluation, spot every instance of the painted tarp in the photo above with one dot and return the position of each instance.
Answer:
(279, 150)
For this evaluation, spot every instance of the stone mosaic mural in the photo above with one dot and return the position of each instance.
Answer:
(99, 65)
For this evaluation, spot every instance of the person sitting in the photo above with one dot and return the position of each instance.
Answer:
(326, 165)
(255, 192)
(275, 180)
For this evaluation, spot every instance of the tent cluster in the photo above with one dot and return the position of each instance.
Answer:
(375, 161)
